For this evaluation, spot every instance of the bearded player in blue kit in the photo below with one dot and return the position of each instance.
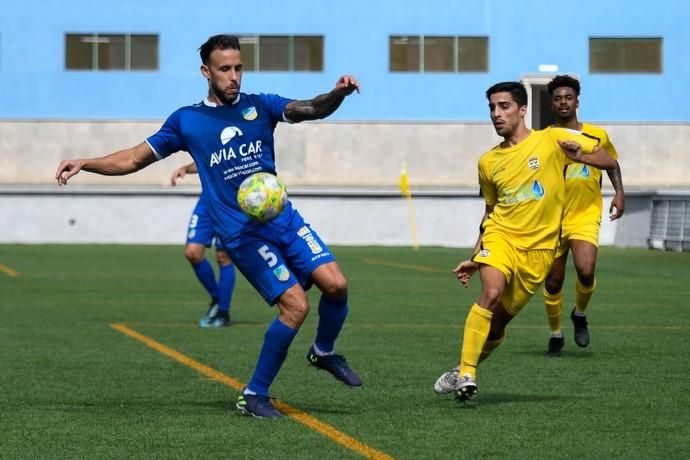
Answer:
(230, 136)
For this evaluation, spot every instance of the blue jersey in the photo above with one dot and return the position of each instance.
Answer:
(228, 143)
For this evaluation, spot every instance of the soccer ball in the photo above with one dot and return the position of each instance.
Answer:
(262, 196)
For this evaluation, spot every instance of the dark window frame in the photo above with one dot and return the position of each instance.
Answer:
(400, 60)
(101, 53)
(297, 56)
(626, 55)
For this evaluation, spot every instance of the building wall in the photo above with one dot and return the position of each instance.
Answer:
(436, 123)
(130, 216)
(334, 154)
(522, 36)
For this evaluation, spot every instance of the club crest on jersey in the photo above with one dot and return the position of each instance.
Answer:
(228, 133)
(249, 113)
(533, 163)
(281, 272)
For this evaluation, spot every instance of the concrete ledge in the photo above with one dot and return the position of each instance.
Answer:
(344, 216)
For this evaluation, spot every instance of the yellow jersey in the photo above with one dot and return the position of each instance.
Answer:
(525, 185)
(583, 200)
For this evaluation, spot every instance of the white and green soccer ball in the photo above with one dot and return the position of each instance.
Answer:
(262, 196)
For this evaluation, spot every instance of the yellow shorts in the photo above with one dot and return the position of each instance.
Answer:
(524, 270)
(584, 231)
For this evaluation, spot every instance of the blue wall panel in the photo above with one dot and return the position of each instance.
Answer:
(523, 35)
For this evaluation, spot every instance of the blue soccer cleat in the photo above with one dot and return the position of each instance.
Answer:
(257, 406)
(212, 311)
(220, 319)
(336, 365)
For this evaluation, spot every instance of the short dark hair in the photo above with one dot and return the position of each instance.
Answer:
(561, 81)
(515, 88)
(218, 42)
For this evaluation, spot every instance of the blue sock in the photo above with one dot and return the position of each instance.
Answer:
(204, 272)
(332, 314)
(226, 284)
(273, 352)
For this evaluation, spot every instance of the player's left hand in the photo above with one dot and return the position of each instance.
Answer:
(346, 85)
(617, 207)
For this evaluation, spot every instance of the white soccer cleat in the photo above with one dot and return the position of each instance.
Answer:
(466, 389)
(448, 382)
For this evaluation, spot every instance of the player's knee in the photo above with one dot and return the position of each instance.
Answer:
(553, 285)
(490, 296)
(193, 255)
(335, 286)
(296, 313)
(586, 277)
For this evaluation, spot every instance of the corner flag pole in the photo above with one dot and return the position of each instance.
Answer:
(407, 193)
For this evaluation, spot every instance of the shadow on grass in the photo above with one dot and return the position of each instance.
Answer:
(495, 398)
(228, 405)
(565, 354)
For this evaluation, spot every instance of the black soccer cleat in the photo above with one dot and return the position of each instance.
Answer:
(555, 346)
(581, 331)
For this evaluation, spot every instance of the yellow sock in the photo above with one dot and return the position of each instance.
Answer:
(489, 347)
(582, 295)
(554, 307)
(477, 327)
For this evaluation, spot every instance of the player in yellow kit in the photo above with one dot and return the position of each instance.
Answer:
(581, 219)
(522, 183)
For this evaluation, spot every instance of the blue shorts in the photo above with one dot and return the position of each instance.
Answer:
(200, 228)
(275, 256)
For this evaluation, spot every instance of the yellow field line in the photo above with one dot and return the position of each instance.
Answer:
(8, 271)
(296, 414)
(423, 268)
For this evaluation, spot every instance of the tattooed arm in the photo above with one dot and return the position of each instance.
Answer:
(324, 104)
(617, 207)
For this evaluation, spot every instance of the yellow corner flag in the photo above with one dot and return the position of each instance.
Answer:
(404, 183)
(407, 193)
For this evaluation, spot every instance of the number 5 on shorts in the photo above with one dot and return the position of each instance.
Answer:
(268, 256)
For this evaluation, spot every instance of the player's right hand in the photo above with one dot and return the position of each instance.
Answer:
(465, 270)
(67, 169)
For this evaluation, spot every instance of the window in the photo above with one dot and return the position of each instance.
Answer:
(291, 53)
(404, 54)
(473, 54)
(123, 52)
(625, 55)
(438, 54)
